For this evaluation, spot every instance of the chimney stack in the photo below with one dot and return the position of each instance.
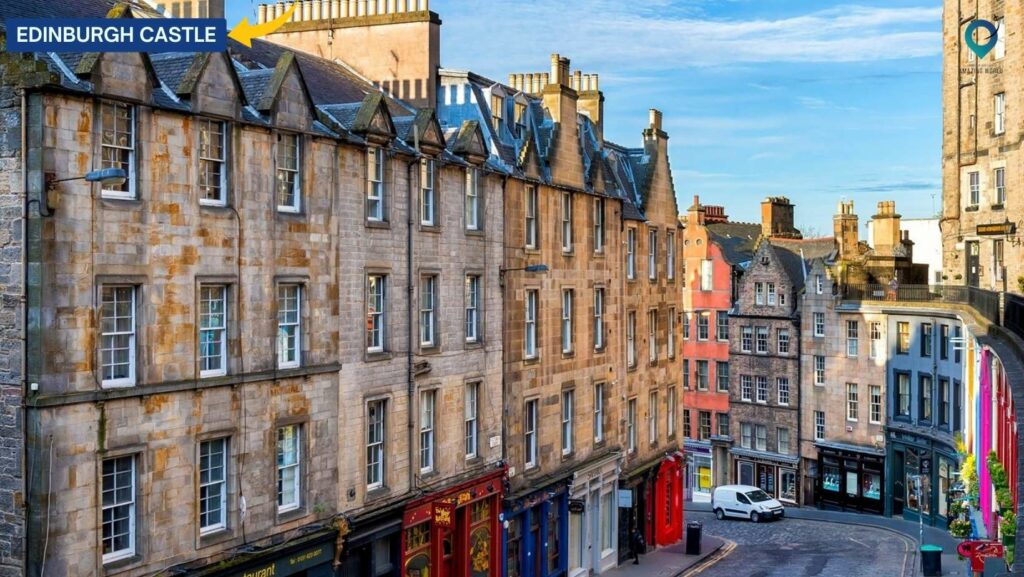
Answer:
(777, 218)
(845, 228)
(886, 229)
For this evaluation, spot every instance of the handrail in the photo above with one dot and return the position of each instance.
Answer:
(984, 302)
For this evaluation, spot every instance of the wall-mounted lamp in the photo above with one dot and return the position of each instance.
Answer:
(110, 176)
(533, 268)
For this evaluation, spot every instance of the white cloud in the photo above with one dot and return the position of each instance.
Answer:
(660, 36)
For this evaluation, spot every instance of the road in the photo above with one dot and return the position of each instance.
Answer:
(798, 548)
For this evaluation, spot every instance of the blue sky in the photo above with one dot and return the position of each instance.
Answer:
(816, 100)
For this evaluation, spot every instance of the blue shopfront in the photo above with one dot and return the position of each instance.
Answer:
(920, 472)
(536, 531)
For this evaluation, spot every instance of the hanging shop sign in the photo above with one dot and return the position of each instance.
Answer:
(577, 505)
(444, 513)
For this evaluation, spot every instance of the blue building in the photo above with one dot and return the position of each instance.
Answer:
(925, 392)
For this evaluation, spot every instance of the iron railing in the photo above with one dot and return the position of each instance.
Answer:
(1013, 314)
(985, 302)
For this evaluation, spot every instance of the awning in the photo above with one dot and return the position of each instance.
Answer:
(836, 446)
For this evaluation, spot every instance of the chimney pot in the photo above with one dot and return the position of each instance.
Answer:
(655, 119)
(261, 14)
(555, 67)
(545, 80)
(696, 200)
(577, 80)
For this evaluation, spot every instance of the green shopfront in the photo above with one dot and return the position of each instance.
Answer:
(311, 555)
(910, 457)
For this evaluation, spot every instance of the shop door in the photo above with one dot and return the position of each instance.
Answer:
(973, 263)
(766, 479)
(899, 490)
(537, 540)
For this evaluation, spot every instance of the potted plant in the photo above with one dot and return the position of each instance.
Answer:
(960, 528)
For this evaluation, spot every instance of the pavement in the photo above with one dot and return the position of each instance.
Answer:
(909, 530)
(672, 560)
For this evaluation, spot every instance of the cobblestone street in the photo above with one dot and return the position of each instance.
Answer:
(798, 548)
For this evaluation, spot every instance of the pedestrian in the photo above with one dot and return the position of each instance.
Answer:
(638, 546)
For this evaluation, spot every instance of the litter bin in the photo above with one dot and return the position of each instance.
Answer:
(693, 530)
(931, 560)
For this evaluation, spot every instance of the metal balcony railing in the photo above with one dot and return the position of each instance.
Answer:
(985, 302)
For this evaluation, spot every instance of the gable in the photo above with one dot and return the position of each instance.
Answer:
(373, 120)
(212, 86)
(470, 143)
(286, 96)
(118, 74)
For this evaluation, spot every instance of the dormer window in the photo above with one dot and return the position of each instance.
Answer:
(497, 111)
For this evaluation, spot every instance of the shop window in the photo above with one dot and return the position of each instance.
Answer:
(417, 550)
(830, 478)
(576, 536)
(513, 547)
(553, 543)
(607, 521)
(872, 486)
(852, 481)
(787, 485)
(944, 468)
(745, 473)
(480, 539)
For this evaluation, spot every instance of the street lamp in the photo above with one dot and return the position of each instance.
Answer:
(115, 176)
(533, 268)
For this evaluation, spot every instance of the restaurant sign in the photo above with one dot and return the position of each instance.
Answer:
(995, 229)
(292, 564)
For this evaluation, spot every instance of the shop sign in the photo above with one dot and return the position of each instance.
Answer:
(978, 551)
(577, 505)
(995, 229)
(443, 513)
(625, 498)
(292, 564)
(926, 466)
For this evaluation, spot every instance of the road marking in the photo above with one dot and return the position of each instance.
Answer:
(714, 558)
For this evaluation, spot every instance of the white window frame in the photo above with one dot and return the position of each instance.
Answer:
(761, 388)
(1000, 181)
(631, 425)
(376, 312)
(819, 284)
(1000, 49)
(376, 427)
(819, 324)
(671, 333)
(875, 334)
(567, 321)
(631, 253)
(722, 328)
(707, 278)
(759, 293)
(289, 328)
(652, 254)
(532, 457)
(599, 225)
(670, 416)
(109, 338)
(852, 338)
(761, 340)
(652, 417)
(875, 409)
(782, 341)
(471, 418)
(428, 310)
(599, 318)
(819, 370)
(211, 164)
(819, 425)
(472, 308)
(782, 450)
(782, 385)
(375, 189)
(652, 336)
(771, 294)
(746, 388)
(852, 402)
(130, 185)
(761, 437)
(531, 226)
(530, 350)
(746, 435)
(747, 339)
(128, 505)
(428, 197)
(567, 240)
(472, 199)
(284, 468)
(631, 339)
(703, 325)
(568, 412)
(670, 255)
(428, 406)
(294, 172)
(598, 412)
(974, 187)
(211, 488)
(1000, 113)
(218, 332)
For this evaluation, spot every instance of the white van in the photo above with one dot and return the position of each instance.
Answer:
(745, 502)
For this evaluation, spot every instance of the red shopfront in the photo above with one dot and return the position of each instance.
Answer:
(455, 532)
(668, 500)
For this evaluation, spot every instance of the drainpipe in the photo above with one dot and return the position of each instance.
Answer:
(504, 344)
(800, 403)
(410, 331)
(24, 333)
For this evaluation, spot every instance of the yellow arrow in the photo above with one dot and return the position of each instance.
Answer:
(244, 32)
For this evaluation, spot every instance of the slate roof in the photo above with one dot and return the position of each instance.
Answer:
(171, 67)
(737, 240)
(797, 254)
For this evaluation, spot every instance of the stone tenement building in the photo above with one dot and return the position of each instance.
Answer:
(982, 209)
(258, 349)
(713, 250)
(764, 357)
